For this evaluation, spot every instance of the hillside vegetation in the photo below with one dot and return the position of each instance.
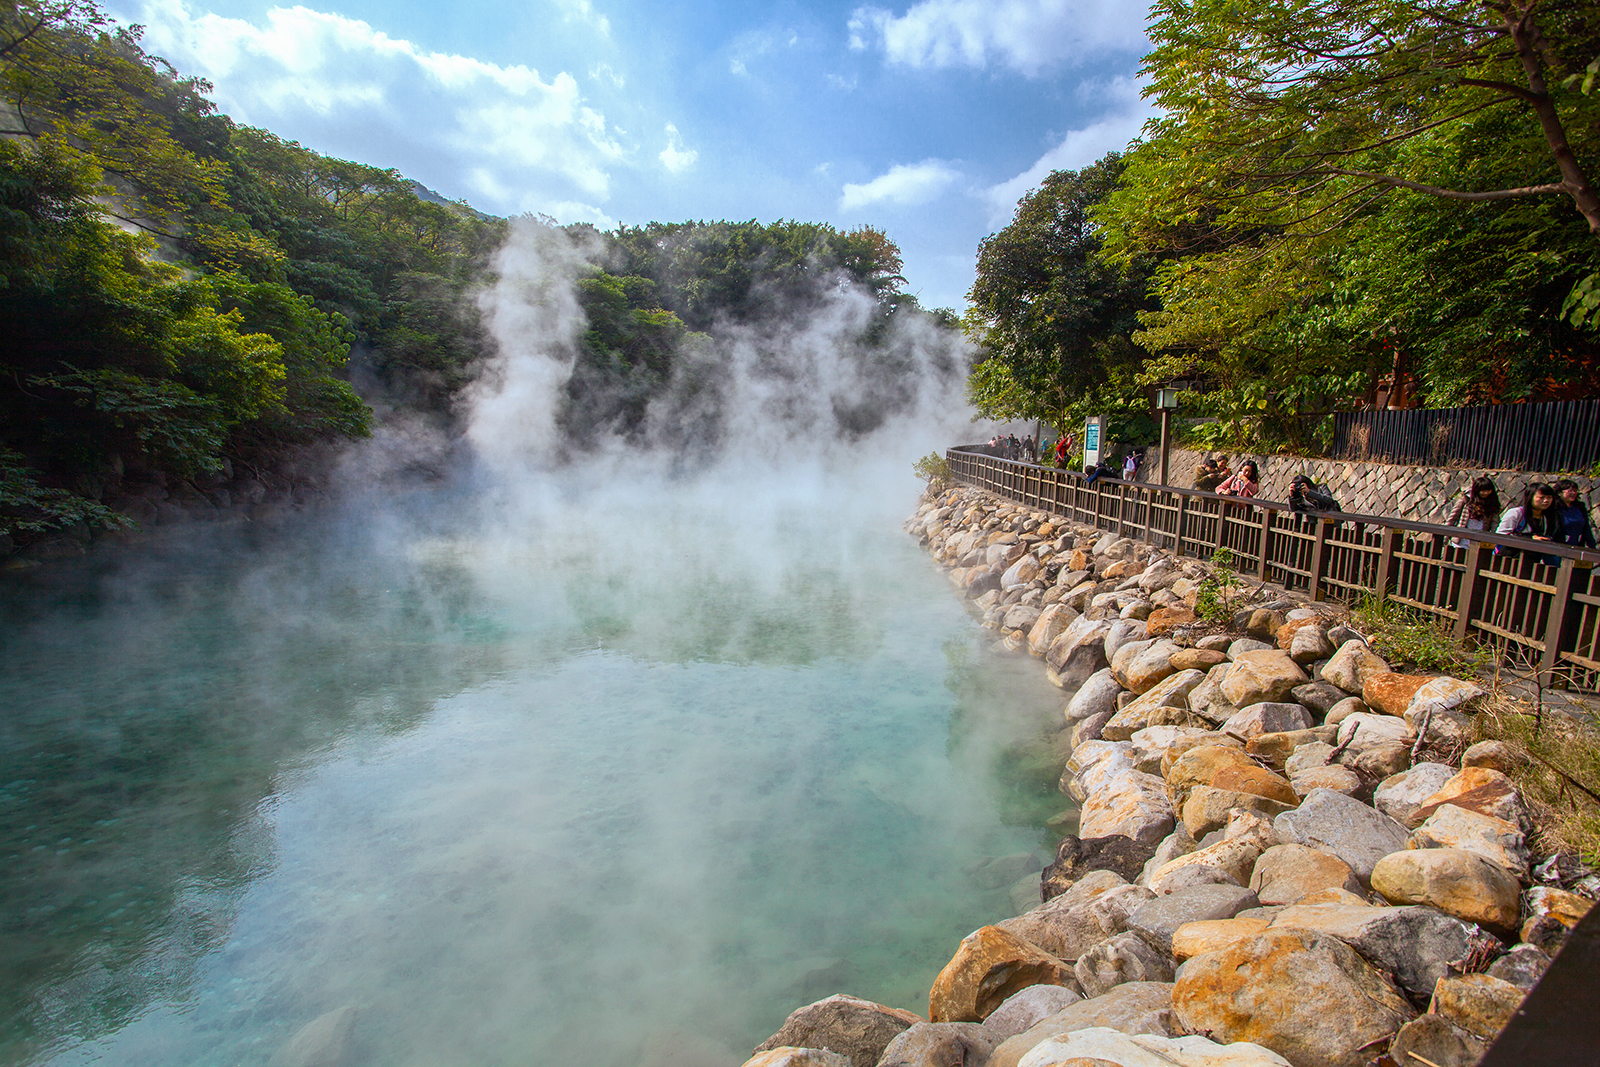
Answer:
(187, 300)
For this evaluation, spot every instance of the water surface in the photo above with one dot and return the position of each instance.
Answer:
(618, 781)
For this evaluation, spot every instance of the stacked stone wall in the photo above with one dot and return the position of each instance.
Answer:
(1421, 494)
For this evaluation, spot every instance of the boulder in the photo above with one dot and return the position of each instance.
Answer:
(1320, 697)
(1020, 617)
(1284, 874)
(1390, 693)
(1150, 665)
(1309, 645)
(1020, 573)
(1492, 755)
(1171, 692)
(797, 1057)
(1121, 958)
(1198, 766)
(1247, 644)
(1417, 945)
(1566, 908)
(1130, 803)
(1156, 920)
(1522, 966)
(1198, 659)
(1335, 777)
(1494, 839)
(1077, 858)
(1433, 1039)
(1207, 699)
(1209, 935)
(1344, 709)
(1307, 757)
(1305, 995)
(939, 1045)
(1380, 761)
(1264, 623)
(989, 966)
(1093, 765)
(1178, 843)
(1400, 795)
(1160, 574)
(1163, 621)
(1068, 925)
(1333, 822)
(1279, 746)
(1255, 780)
(1352, 665)
(1089, 729)
(1108, 1048)
(1482, 790)
(1149, 747)
(1368, 731)
(1231, 858)
(1208, 808)
(1263, 676)
(1122, 632)
(1079, 651)
(1454, 881)
(1050, 624)
(1026, 1009)
(857, 1029)
(1134, 1008)
(1267, 718)
(1441, 694)
(1478, 1003)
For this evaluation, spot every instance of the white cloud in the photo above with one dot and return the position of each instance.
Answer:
(606, 71)
(736, 66)
(1077, 149)
(907, 184)
(583, 11)
(673, 157)
(455, 122)
(1025, 35)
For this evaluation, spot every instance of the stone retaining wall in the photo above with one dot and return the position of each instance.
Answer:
(1421, 494)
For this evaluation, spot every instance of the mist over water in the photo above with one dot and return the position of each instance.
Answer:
(611, 759)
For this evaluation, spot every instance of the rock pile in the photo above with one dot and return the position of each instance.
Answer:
(1287, 853)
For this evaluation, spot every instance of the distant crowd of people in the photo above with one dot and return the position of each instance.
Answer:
(1555, 513)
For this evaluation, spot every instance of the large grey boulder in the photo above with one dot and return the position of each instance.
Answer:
(857, 1029)
(1342, 825)
(1134, 1008)
(1068, 925)
(1097, 694)
(1400, 795)
(939, 1045)
(1079, 651)
(1418, 945)
(1156, 920)
(1119, 959)
(1027, 1008)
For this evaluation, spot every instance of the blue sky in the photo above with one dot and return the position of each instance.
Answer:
(927, 120)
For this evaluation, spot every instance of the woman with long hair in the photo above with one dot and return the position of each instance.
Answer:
(1575, 528)
(1246, 481)
(1537, 517)
(1478, 508)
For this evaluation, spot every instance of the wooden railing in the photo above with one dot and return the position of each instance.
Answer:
(1539, 608)
(1562, 435)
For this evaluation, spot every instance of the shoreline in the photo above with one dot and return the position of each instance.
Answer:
(1288, 853)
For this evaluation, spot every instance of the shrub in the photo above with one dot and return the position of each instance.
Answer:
(1214, 600)
(1409, 638)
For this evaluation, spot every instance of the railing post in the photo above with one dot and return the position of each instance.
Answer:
(1122, 508)
(1319, 558)
(1222, 527)
(1555, 630)
(1183, 513)
(1266, 532)
(1471, 588)
(1385, 562)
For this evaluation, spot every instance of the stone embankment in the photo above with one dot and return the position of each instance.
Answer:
(1287, 853)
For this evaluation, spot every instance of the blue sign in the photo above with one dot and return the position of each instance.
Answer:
(1091, 435)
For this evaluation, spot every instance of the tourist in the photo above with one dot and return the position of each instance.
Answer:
(1101, 469)
(1478, 509)
(1030, 449)
(1246, 482)
(1130, 467)
(1575, 528)
(1306, 495)
(1211, 472)
(1063, 451)
(1536, 517)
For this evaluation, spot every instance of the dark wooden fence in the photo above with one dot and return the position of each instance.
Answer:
(1558, 436)
(1542, 616)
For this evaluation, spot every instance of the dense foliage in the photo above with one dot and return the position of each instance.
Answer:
(1340, 193)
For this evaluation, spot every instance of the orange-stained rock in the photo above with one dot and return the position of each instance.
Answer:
(1278, 746)
(1197, 659)
(1479, 789)
(1306, 996)
(1198, 766)
(1257, 780)
(1078, 560)
(1285, 874)
(1209, 935)
(989, 966)
(1285, 635)
(1477, 1003)
(1390, 692)
(1567, 908)
(1163, 621)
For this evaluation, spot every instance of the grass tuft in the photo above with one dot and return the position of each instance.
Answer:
(1409, 638)
(1558, 772)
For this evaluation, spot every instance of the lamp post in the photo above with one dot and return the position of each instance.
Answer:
(1166, 400)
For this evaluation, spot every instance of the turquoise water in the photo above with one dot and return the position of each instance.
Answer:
(608, 780)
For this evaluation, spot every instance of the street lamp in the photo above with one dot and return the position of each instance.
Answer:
(1166, 400)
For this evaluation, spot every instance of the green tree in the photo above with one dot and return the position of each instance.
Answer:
(1053, 319)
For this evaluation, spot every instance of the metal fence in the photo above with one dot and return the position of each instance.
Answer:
(1541, 611)
(1558, 436)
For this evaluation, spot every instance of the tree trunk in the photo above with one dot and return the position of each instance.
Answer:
(1523, 31)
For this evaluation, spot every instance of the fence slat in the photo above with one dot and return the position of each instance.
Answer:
(1555, 436)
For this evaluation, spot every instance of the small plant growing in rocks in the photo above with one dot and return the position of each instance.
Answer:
(1402, 636)
(1219, 590)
